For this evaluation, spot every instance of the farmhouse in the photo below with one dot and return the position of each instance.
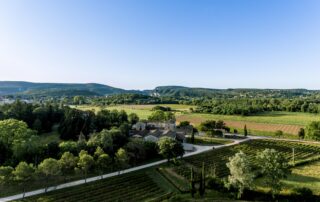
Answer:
(153, 131)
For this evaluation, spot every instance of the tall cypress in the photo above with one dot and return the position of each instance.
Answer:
(192, 183)
(202, 181)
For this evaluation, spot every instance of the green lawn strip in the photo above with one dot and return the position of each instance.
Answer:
(161, 181)
(209, 140)
(179, 183)
(210, 195)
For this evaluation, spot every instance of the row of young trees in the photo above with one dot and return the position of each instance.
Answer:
(66, 166)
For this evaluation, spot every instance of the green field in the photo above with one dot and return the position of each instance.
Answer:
(143, 111)
(290, 118)
(305, 176)
(262, 124)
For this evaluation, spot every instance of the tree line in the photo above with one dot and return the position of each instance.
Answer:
(253, 106)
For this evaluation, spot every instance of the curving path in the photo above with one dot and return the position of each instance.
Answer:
(198, 149)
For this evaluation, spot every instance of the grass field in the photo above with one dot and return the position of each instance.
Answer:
(262, 124)
(305, 176)
(144, 185)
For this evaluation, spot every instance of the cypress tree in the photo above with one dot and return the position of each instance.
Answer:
(202, 186)
(245, 131)
(192, 183)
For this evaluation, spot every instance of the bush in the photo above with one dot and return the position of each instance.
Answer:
(304, 191)
(214, 183)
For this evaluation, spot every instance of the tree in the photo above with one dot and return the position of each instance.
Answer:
(161, 116)
(202, 186)
(136, 152)
(245, 131)
(67, 163)
(192, 138)
(133, 118)
(241, 176)
(103, 163)
(99, 151)
(313, 130)
(279, 133)
(12, 130)
(23, 174)
(301, 133)
(192, 183)
(220, 124)
(122, 158)
(85, 163)
(28, 149)
(184, 123)
(207, 126)
(49, 168)
(169, 148)
(69, 146)
(74, 122)
(274, 167)
(82, 142)
(6, 175)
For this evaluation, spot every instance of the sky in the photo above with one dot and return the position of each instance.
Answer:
(141, 44)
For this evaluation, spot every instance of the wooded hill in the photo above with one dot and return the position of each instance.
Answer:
(93, 89)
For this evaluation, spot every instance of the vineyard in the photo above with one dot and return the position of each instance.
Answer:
(215, 160)
(137, 186)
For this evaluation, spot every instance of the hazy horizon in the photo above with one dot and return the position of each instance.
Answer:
(142, 44)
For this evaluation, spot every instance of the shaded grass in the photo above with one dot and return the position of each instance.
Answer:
(53, 136)
(305, 176)
(209, 140)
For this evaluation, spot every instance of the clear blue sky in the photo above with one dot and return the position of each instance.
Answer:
(138, 44)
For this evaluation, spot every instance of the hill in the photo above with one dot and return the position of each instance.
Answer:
(56, 89)
(94, 89)
(181, 91)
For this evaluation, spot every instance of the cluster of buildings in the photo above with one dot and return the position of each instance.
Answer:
(153, 131)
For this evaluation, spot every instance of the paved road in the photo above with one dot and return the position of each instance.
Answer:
(198, 149)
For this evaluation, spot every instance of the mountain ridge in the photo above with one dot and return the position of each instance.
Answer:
(24, 88)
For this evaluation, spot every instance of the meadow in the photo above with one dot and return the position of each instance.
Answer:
(261, 124)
